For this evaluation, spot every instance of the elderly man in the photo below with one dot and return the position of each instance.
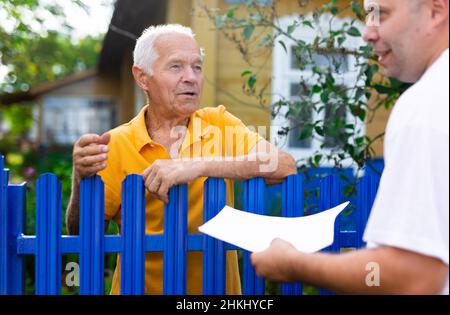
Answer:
(408, 230)
(170, 142)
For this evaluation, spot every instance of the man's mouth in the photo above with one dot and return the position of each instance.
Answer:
(383, 55)
(188, 93)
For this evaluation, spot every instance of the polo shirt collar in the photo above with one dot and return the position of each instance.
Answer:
(142, 137)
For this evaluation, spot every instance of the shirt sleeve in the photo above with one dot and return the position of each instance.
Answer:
(239, 138)
(411, 210)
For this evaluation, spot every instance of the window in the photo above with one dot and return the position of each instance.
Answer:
(326, 60)
(65, 119)
(287, 75)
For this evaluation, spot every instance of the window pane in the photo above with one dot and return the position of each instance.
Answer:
(67, 118)
(338, 62)
(334, 118)
(300, 117)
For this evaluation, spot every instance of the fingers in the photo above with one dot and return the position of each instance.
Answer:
(90, 155)
(91, 160)
(87, 139)
(104, 138)
(163, 192)
(157, 182)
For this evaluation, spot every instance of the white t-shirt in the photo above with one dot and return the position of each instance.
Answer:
(411, 208)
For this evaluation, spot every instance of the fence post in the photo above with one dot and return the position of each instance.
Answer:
(48, 235)
(292, 206)
(254, 203)
(330, 196)
(133, 236)
(16, 225)
(214, 254)
(4, 267)
(366, 192)
(175, 241)
(92, 236)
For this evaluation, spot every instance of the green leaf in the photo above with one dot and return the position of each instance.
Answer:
(341, 40)
(325, 96)
(251, 81)
(353, 31)
(291, 28)
(231, 10)
(318, 158)
(356, 7)
(246, 72)
(316, 89)
(359, 93)
(362, 115)
(308, 23)
(248, 31)
(283, 45)
(319, 131)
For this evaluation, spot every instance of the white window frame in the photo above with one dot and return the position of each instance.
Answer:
(284, 75)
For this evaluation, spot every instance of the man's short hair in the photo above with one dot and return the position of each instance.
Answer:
(145, 53)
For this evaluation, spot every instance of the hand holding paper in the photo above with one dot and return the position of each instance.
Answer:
(254, 232)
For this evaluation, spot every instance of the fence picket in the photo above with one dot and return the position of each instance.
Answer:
(214, 255)
(292, 206)
(133, 235)
(175, 241)
(48, 235)
(254, 203)
(92, 236)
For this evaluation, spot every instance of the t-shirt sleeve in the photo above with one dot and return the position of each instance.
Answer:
(411, 209)
(238, 138)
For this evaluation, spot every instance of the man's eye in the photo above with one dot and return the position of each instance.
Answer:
(176, 67)
(198, 68)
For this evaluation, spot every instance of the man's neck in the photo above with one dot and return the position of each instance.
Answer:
(160, 123)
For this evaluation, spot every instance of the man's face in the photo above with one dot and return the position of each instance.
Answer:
(399, 39)
(176, 82)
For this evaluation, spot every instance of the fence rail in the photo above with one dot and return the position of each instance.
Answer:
(92, 244)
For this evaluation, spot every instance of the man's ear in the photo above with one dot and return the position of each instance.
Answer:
(439, 10)
(140, 77)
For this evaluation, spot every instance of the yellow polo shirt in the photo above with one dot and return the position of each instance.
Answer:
(211, 132)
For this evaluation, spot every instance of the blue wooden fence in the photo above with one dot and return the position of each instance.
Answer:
(48, 244)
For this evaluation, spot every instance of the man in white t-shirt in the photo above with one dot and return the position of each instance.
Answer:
(408, 229)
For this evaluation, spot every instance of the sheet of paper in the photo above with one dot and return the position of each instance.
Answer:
(254, 232)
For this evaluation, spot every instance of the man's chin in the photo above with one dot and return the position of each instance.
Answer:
(189, 108)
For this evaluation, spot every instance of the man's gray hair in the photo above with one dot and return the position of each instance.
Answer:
(145, 53)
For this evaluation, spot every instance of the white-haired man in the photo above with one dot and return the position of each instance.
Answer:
(171, 141)
(408, 230)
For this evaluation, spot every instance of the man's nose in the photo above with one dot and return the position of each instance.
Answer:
(189, 75)
(370, 34)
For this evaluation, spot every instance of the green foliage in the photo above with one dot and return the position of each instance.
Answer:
(253, 27)
(33, 54)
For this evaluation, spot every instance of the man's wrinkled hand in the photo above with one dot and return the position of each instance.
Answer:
(90, 154)
(164, 174)
(276, 262)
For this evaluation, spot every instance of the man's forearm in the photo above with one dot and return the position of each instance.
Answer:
(272, 167)
(72, 212)
(399, 271)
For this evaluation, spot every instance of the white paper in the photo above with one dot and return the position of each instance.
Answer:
(255, 232)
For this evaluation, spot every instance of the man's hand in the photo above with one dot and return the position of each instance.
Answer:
(89, 155)
(163, 174)
(276, 262)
